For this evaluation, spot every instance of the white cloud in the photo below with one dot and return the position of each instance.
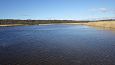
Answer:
(103, 10)
(25, 15)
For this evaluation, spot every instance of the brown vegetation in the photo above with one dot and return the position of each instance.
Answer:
(107, 24)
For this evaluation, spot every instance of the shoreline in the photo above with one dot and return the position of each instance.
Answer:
(5, 25)
(103, 24)
(8, 25)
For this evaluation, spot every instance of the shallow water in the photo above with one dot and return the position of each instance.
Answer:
(56, 45)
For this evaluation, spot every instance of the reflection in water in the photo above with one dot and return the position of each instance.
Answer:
(105, 28)
(56, 45)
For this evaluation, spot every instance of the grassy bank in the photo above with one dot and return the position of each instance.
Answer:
(107, 24)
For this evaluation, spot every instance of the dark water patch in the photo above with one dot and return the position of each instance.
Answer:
(56, 45)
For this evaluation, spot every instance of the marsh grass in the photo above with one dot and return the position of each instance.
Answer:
(106, 24)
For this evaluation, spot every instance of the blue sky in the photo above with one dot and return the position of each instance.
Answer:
(57, 9)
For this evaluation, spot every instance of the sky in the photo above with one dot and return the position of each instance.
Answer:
(57, 9)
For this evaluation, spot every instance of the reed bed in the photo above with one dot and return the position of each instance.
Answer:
(107, 24)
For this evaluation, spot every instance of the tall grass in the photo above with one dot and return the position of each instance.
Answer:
(108, 24)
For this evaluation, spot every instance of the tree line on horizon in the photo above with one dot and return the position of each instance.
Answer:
(32, 22)
(37, 22)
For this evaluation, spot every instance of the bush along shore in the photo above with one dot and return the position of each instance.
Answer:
(12, 22)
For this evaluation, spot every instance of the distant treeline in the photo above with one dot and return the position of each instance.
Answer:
(33, 22)
(107, 20)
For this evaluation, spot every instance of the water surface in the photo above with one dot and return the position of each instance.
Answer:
(56, 45)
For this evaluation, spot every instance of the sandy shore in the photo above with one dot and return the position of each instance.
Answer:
(75, 23)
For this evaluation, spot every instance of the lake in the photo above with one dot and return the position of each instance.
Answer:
(56, 45)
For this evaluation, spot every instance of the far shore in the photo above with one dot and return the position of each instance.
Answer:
(105, 24)
(5, 25)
